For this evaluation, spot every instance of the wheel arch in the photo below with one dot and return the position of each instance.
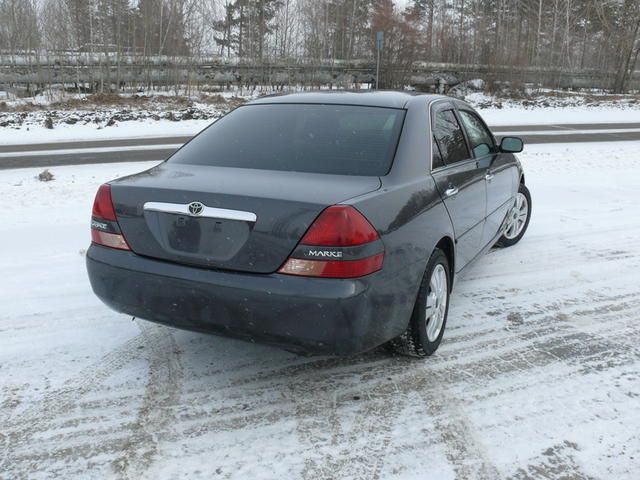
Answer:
(447, 246)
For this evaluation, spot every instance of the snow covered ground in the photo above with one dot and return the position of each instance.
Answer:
(89, 132)
(163, 117)
(65, 117)
(538, 375)
(562, 109)
(517, 115)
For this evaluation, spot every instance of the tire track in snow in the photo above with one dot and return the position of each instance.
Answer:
(502, 343)
(466, 454)
(464, 449)
(556, 461)
(545, 338)
(364, 375)
(162, 394)
(40, 415)
(373, 420)
(136, 445)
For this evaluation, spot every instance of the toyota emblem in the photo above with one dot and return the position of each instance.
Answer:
(196, 208)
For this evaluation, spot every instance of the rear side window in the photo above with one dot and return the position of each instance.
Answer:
(333, 139)
(479, 137)
(449, 137)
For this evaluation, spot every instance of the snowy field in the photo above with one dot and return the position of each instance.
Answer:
(538, 375)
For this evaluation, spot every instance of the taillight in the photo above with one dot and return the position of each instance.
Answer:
(105, 230)
(113, 240)
(340, 226)
(102, 205)
(341, 243)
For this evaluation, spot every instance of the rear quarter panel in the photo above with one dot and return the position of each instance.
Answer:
(408, 214)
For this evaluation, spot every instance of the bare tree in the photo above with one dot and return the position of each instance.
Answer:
(551, 39)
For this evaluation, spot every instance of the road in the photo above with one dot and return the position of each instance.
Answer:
(151, 149)
(537, 376)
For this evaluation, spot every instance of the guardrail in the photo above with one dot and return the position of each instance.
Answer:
(89, 68)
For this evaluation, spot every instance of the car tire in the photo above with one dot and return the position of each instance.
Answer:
(517, 219)
(422, 338)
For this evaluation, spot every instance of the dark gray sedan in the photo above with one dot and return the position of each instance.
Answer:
(322, 222)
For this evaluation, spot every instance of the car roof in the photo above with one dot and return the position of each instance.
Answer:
(388, 99)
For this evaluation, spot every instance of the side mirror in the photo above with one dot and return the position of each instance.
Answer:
(511, 145)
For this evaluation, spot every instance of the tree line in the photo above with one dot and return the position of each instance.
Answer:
(571, 35)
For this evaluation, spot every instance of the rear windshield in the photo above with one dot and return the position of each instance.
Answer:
(335, 139)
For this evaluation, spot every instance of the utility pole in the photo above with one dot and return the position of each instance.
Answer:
(379, 45)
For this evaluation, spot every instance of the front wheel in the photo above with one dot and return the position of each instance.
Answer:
(517, 219)
(429, 317)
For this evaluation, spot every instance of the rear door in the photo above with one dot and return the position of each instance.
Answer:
(460, 180)
(499, 175)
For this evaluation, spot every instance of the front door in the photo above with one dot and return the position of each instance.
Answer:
(501, 175)
(460, 179)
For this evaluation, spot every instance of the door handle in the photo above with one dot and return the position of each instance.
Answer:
(450, 192)
(488, 176)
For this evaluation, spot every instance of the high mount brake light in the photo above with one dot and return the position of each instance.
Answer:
(105, 230)
(341, 243)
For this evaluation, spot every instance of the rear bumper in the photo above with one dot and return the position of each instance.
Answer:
(306, 314)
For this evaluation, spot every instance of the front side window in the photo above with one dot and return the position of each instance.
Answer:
(479, 137)
(331, 139)
(449, 137)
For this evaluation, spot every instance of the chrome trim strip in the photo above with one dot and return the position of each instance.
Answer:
(208, 212)
(451, 166)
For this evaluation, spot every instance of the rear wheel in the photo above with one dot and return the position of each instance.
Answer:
(429, 317)
(517, 219)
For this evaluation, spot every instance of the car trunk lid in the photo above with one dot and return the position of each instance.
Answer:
(240, 219)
